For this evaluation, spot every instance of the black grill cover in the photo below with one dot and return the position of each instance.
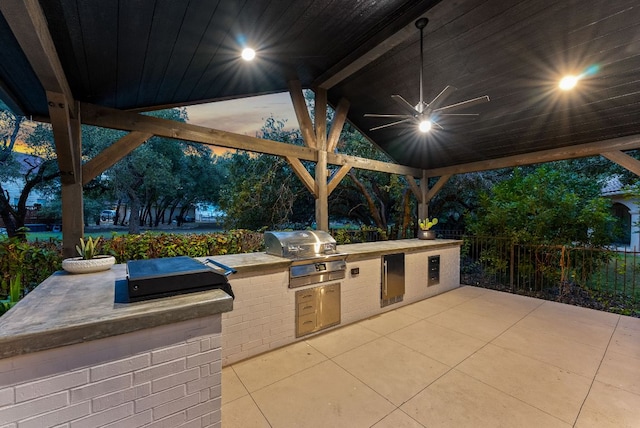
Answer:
(153, 278)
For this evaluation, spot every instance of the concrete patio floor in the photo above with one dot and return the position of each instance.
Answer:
(467, 358)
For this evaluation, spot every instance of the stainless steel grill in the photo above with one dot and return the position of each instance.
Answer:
(314, 254)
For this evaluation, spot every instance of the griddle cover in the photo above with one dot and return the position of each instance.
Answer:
(148, 279)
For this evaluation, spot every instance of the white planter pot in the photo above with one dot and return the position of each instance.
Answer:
(96, 264)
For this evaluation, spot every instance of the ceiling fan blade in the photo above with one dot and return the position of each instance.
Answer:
(464, 104)
(389, 124)
(387, 115)
(404, 104)
(441, 96)
(459, 114)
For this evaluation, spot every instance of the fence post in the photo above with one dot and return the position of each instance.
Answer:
(512, 267)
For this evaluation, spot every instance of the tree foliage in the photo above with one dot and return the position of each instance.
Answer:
(547, 206)
(262, 191)
(32, 172)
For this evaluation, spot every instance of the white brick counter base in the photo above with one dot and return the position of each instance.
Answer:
(165, 376)
(263, 316)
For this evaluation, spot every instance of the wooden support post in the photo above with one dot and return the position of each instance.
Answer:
(322, 193)
(68, 139)
(423, 205)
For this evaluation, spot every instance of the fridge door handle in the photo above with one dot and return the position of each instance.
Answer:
(384, 278)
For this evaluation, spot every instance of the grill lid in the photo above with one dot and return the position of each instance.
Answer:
(300, 244)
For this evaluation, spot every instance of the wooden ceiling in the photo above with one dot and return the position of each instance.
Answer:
(148, 54)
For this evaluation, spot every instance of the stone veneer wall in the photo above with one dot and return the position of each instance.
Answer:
(167, 376)
(263, 316)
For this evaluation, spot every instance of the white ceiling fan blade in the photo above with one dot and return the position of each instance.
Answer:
(389, 124)
(404, 104)
(387, 115)
(437, 125)
(464, 104)
(448, 90)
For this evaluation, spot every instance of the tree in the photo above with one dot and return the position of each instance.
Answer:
(370, 197)
(262, 191)
(33, 172)
(547, 206)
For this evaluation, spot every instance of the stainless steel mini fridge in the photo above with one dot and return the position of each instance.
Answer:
(392, 288)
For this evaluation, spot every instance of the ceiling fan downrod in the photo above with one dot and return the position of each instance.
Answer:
(420, 24)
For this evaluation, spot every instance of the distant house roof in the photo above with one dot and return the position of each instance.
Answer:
(613, 186)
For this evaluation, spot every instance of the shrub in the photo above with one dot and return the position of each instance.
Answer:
(27, 264)
(155, 245)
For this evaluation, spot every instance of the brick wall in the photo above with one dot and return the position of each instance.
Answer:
(263, 316)
(168, 376)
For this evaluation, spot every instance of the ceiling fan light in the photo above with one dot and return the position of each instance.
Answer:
(425, 126)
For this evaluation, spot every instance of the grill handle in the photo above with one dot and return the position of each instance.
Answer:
(227, 270)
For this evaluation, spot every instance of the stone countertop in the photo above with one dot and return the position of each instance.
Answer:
(369, 250)
(67, 309)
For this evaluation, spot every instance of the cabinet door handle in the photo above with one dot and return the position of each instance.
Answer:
(308, 307)
(307, 322)
(385, 278)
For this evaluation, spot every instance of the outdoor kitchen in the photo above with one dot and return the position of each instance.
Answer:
(79, 331)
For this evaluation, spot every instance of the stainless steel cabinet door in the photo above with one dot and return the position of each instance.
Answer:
(392, 276)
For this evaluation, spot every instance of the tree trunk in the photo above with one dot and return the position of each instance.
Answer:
(134, 217)
(370, 201)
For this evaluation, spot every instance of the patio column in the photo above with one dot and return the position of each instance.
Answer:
(423, 203)
(67, 137)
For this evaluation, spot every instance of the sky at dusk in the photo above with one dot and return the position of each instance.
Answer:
(244, 116)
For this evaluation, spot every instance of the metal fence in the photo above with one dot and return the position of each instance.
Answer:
(541, 270)
(533, 269)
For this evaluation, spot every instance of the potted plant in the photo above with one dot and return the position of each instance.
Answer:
(88, 261)
(425, 231)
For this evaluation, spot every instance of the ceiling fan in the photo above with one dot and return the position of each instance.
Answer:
(424, 113)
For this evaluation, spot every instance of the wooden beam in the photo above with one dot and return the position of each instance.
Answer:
(127, 121)
(396, 32)
(423, 205)
(415, 189)
(372, 165)
(623, 160)
(302, 113)
(561, 153)
(337, 177)
(67, 154)
(29, 26)
(322, 193)
(112, 154)
(321, 118)
(435, 189)
(71, 184)
(337, 124)
(302, 174)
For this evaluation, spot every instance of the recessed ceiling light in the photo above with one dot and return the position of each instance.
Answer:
(248, 54)
(568, 82)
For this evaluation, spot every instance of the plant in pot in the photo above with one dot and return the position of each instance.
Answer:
(425, 231)
(88, 261)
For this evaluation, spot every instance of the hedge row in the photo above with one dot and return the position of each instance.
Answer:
(33, 262)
